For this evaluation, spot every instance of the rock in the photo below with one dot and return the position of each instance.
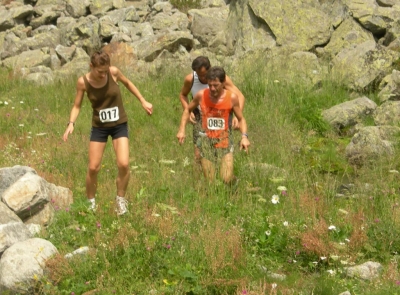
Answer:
(349, 113)
(367, 271)
(11, 233)
(27, 195)
(371, 143)
(388, 113)
(23, 263)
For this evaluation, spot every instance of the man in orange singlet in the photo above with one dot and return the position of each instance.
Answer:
(109, 119)
(193, 83)
(217, 107)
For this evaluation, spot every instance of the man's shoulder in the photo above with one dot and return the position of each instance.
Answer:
(189, 78)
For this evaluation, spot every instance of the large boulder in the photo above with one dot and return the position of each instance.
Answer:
(371, 143)
(23, 263)
(349, 33)
(390, 87)
(27, 195)
(364, 65)
(349, 113)
(300, 25)
(246, 31)
(388, 113)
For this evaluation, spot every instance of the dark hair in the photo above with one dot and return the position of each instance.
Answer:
(100, 58)
(199, 62)
(216, 72)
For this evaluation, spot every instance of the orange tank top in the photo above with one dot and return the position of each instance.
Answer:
(217, 118)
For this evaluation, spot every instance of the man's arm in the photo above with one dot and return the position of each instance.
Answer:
(148, 107)
(232, 87)
(187, 86)
(186, 115)
(244, 142)
(183, 95)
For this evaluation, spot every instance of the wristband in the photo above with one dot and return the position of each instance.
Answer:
(73, 123)
(245, 134)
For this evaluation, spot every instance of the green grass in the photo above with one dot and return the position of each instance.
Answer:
(184, 236)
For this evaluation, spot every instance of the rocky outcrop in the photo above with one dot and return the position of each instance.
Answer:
(28, 202)
(45, 41)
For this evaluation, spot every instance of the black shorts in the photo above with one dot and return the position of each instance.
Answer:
(100, 134)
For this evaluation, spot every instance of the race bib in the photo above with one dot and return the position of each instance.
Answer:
(109, 115)
(215, 123)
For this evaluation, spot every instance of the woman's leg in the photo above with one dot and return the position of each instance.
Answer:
(96, 150)
(121, 148)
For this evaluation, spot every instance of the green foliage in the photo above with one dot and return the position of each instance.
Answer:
(184, 235)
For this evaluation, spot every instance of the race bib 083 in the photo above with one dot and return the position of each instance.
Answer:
(109, 115)
(215, 123)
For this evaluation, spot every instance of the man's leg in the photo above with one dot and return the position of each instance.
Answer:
(197, 155)
(227, 168)
(96, 150)
(121, 148)
(208, 169)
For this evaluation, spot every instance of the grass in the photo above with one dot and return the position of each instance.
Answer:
(185, 236)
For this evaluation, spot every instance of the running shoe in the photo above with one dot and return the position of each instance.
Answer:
(92, 206)
(122, 205)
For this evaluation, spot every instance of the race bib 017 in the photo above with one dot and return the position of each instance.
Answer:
(109, 115)
(215, 123)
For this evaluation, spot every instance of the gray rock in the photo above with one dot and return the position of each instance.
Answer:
(390, 87)
(10, 175)
(11, 233)
(367, 271)
(349, 113)
(371, 143)
(22, 262)
(27, 195)
(364, 65)
(388, 113)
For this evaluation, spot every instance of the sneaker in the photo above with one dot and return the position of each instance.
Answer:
(92, 206)
(122, 205)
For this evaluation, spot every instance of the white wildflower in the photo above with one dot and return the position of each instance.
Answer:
(285, 223)
(334, 257)
(268, 232)
(275, 199)
(331, 272)
(332, 227)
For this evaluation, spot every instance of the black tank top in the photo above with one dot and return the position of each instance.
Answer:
(108, 110)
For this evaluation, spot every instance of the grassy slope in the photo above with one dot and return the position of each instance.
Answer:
(184, 236)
